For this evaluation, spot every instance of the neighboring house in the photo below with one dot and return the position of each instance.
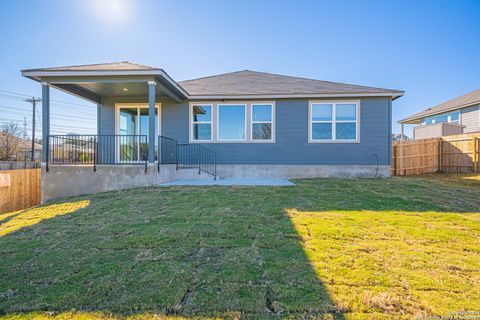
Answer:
(456, 116)
(242, 124)
(18, 149)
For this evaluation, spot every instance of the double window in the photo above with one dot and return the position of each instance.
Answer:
(333, 121)
(232, 122)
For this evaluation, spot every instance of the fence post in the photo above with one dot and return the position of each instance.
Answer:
(475, 154)
(394, 153)
(439, 154)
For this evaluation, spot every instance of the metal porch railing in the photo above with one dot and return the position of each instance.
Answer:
(97, 149)
(186, 156)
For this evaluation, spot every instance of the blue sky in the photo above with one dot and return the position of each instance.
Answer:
(430, 49)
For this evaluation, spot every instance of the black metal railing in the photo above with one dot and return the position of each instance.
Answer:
(127, 149)
(186, 156)
(97, 149)
(167, 151)
(71, 149)
(208, 161)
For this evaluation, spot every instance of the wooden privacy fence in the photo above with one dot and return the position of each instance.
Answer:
(451, 154)
(19, 189)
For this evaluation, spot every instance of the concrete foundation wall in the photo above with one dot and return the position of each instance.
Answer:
(301, 171)
(63, 181)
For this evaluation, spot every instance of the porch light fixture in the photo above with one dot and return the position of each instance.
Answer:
(125, 89)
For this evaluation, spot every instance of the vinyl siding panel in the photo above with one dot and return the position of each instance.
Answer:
(106, 119)
(471, 119)
(291, 145)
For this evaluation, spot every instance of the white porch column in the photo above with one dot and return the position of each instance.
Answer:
(45, 119)
(401, 137)
(151, 121)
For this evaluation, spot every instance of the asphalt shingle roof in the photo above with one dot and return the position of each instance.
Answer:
(240, 83)
(260, 83)
(452, 104)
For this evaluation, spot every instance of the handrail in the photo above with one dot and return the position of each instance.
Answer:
(167, 151)
(196, 156)
(208, 161)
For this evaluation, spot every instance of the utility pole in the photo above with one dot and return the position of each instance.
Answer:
(24, 128)
(34, 102)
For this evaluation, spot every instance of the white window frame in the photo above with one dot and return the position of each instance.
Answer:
(191, 122)
(333, 121)
(271, 122)
(218, 121)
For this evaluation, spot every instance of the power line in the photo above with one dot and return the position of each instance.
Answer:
(17, 95)
(52, 113)
(53, 104)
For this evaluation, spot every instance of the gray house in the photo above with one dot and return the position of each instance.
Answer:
(455, 116)
(242, 124)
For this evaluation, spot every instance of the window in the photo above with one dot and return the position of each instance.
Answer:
(333, 122)
(453, 116)
(262, 122)
(231, 124)
(322, 121)
(346, 121)
(201, 122)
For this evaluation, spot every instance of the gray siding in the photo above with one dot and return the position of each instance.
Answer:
(471, 119)
(291, 146)
(106, 118)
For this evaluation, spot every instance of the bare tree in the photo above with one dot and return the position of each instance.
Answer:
(9, 141)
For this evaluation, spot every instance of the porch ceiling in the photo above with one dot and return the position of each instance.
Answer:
(127, 89)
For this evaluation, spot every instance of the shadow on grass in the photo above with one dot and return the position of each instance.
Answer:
(195, 252)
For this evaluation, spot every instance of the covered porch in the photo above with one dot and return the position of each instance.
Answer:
(137, 126)
(128, 148)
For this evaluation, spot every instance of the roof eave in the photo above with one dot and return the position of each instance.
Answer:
(393, 95)
(159, 74)
(416, 118)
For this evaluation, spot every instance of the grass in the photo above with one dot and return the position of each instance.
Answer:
(393, 248)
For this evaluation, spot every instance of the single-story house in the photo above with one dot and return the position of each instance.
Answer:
(243, 124)
(456, 116)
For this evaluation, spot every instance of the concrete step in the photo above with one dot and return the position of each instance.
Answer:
(192, 174)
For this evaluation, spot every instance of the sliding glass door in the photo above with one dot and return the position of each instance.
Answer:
(133, 121)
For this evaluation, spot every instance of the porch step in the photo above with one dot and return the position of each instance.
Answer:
(192, 174)
(231, 182)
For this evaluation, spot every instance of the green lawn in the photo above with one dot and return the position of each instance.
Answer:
(326, 249)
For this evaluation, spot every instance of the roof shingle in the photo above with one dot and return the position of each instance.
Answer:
(260, 83)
